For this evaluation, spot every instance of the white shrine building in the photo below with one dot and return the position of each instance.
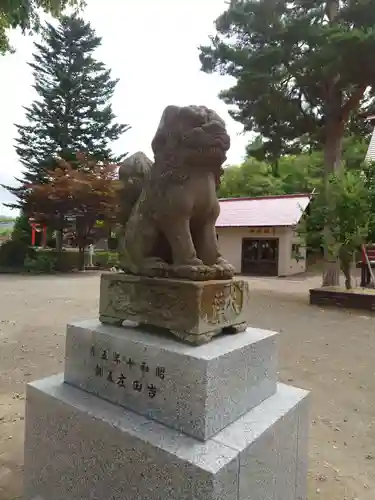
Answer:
(259, 235)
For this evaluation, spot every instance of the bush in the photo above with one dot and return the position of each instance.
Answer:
(64, 261)
(40, 263)
(112, 244)
(16, 255)
(22, 230)
(67, 260)
(13, 253)
(105, 260)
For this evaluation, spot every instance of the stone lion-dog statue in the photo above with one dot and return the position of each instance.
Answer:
(168, 208)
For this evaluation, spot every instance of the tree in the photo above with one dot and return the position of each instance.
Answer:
(73, 111)
(81, 196)
(296, 174)
(22, 229)
(252, 178)
(368, 176)
(349, 214)
(303, 71)
(25, 15)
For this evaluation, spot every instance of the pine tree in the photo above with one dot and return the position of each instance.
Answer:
(22, 229)
(73, 113)
(303, 69)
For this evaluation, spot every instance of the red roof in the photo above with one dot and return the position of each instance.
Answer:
(265, 211)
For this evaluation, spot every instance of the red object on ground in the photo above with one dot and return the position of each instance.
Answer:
(36, 227)
(33, 231)
(370, 250)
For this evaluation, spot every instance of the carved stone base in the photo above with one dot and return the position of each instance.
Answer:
(194, 311)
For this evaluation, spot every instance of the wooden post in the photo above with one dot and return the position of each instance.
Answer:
(33, 231)
(44, 239)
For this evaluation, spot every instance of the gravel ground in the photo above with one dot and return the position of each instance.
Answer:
(330, 352)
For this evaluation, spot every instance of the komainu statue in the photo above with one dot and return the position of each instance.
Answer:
(169, 207)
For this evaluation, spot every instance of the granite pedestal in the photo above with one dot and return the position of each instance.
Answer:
(138, 415)
(195, 389)
(79, 446)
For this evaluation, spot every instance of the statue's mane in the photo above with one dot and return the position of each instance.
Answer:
(186, 132)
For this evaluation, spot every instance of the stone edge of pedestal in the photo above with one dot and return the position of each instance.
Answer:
(134, 278)
(225, 461)
(209, 386)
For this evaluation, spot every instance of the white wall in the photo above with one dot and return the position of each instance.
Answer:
(230, 244)
(296, 265)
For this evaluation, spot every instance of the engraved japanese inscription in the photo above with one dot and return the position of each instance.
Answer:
(224, 305)
(126, 372)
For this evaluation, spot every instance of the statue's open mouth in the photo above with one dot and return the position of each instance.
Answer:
(213, 155)
(217, 154)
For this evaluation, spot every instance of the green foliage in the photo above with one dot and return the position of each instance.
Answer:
(13, 253)
(5, 231)
(67, 260)
(303, 173)
(40, 263)
(25, 14)
(73, 114)
(368, 177)
(50, 260)
(63, 261)
(354, 152)
(299, 173)
(296, 174)
(22, 229)
(348, 212)
(112, 243)
(105, 260)
(301, 68)
(252, 178)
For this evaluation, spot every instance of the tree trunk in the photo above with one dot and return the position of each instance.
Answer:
(59, 234)
(81, 258)
(275, 167)
(348, 277)
(59, 240)
(346, 260)
(332, 163)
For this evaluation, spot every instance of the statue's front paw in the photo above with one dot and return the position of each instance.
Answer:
(224, 269)
(191, 263)
(198, 272)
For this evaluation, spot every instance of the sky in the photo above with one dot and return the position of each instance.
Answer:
(152, 48)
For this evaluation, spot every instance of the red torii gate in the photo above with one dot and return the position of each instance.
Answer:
(37, 227)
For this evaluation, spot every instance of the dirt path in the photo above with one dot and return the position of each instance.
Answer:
(327, 351)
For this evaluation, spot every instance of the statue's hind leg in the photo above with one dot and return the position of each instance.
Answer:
(138, 255)
(178, 234)
(208, 251)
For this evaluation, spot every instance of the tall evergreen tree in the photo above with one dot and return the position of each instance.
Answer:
(73, 113)
(304, 69)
